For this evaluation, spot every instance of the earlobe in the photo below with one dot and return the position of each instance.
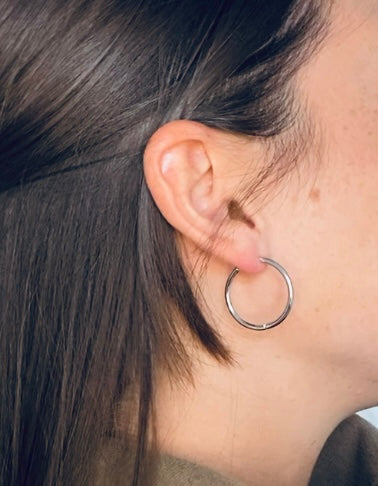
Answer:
(186, 171)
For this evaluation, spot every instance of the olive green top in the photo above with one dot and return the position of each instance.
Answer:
(114, 470)
(348, 458)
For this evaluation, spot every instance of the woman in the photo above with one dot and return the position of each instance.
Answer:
(156, 156)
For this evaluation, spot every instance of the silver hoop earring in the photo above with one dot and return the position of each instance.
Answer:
(268, 325)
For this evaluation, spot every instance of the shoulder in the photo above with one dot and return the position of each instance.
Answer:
(174, 471)
(349, 456)
(113, 467)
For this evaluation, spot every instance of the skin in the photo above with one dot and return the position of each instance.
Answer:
(265, 419)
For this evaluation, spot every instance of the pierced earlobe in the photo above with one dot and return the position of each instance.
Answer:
(280, 318)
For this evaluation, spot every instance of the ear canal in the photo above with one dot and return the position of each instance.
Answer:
(236, 212)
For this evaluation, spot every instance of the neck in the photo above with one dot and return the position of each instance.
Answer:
(262, 419)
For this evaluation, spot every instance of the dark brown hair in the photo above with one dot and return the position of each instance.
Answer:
(87, 262)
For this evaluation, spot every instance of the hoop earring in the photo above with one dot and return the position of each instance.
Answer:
(268, 325)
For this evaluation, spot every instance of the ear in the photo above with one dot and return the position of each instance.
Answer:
(191, 173)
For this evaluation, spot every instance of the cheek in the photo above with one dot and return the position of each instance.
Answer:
(344, 230)
(341, 88)
(341, 84)
(331, 230)
(355, 126)
(331, 250)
